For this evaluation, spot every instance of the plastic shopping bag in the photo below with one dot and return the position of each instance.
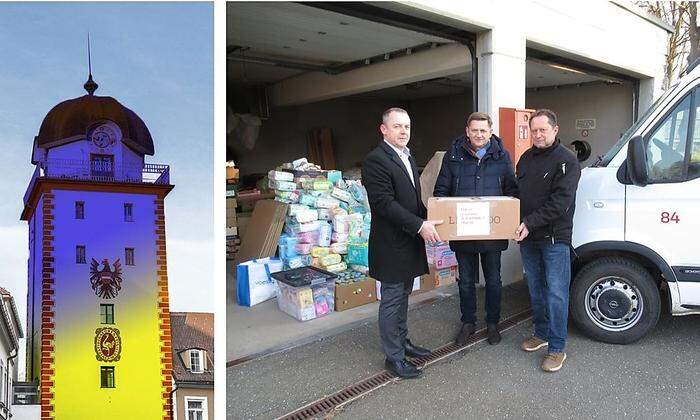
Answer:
(254, 284)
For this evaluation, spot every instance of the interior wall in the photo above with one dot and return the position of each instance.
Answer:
(436, 122)
(610, 105)
(355, 125)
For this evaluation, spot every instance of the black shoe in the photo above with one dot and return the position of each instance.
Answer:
(415, 351)
(402, 368)
(492, 334)
(464, 333)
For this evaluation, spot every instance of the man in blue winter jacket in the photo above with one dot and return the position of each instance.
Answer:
(477, 164)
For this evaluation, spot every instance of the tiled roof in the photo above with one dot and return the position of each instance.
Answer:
(75, 116)
(11, 318)
(192, 330)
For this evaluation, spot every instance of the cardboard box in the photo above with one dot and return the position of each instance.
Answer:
(260, 236)
(352, 295)
(438, 277)
(231, 219)
(242, 220)
(475, 218)
(232, 173)
(428, 177)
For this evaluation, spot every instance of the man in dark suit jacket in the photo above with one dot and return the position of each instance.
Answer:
(396, 240)
(477, 164)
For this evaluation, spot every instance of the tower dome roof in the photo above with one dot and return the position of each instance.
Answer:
(75, 117)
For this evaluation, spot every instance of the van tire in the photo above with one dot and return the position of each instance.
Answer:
(632, 276)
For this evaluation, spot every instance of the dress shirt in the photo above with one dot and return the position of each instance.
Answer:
(404, 155)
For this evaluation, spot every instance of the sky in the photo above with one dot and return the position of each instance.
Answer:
(154, 58)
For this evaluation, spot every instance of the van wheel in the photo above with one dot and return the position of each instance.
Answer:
(615, 300)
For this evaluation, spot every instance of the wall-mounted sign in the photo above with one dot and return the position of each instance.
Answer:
(106, 282)
(108, 344)
(523, 131)
(585, 124)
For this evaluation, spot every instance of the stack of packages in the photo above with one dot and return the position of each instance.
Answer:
(328, 220)
(233, 238)
(442, 265)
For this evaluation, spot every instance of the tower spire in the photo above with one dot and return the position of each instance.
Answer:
(90, 86)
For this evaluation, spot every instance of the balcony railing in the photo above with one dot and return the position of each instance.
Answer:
(74, 169)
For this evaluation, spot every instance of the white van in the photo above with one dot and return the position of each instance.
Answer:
(636, 221)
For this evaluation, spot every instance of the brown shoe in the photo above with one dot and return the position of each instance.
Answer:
(533, 344)
(552, 362)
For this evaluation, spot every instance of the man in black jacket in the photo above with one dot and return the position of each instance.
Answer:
(548, 175)
(397, 235)
(477, 165)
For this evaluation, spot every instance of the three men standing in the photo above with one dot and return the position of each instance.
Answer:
(548, 175)
(477, 164)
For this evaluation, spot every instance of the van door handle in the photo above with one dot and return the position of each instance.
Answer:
(598, 204)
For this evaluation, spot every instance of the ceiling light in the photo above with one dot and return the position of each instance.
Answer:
(569, 69)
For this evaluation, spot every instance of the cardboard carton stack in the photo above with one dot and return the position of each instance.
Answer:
(233, 238)
(442, 266)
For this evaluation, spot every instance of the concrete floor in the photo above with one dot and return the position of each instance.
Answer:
(655, 378)
(264, 328)
(278, 383)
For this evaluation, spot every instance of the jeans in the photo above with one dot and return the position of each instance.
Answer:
(469, 275)
(548, 270)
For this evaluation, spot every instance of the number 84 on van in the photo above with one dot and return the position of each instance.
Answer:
(667, 217)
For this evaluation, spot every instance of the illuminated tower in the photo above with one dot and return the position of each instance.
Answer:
(98, 340)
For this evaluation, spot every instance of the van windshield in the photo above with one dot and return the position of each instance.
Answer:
(605, 160)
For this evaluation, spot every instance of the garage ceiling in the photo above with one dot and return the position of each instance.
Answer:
(307, 35)
(291, 32)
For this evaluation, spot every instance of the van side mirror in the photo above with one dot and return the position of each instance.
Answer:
(634, 169)
(637, 162)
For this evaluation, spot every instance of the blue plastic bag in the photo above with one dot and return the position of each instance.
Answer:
(253, 281)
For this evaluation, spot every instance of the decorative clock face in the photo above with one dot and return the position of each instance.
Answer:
(103, 136)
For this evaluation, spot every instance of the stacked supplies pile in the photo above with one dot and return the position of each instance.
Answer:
(327, 224)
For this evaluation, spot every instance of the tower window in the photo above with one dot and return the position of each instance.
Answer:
(80, 254)
(107, 313)
(129, 256)
(128, 212)
(79, 209)
(107, 377)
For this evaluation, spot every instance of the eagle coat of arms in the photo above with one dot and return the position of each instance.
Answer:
(106, 282)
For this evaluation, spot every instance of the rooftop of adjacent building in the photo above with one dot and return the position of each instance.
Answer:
(192, 331)
(10, 317)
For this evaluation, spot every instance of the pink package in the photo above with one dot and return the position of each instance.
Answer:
(339, 237)
(445, 259)
(309, 237)
(440, 255)
(304, 248)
